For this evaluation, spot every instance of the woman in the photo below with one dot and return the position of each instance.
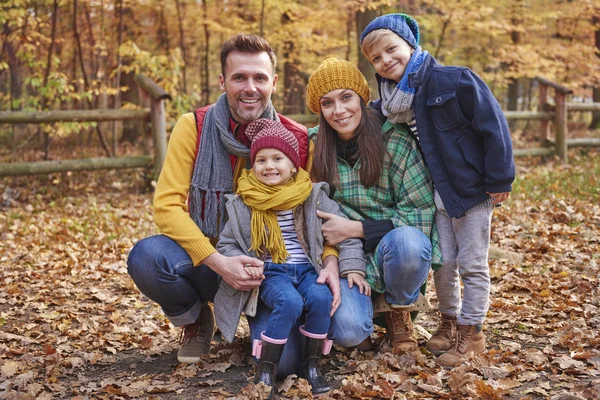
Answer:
(379, 178)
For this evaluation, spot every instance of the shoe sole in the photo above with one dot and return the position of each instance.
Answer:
(188, 360)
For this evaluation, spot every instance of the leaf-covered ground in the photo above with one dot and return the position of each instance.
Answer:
(72, 324)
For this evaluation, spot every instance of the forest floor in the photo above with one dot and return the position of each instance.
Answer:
(73, 325)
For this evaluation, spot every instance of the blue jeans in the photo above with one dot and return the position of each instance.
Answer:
(289, 290)
(404, 258)
(163, 271)
(351, 324)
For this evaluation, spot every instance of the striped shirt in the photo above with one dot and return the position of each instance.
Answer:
(290, 238)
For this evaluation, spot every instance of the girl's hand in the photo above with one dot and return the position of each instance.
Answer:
(336, 229)
(358, 280)
(254, 272)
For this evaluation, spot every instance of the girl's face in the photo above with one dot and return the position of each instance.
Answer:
(272, 167)
(390, 56)
(341, 109)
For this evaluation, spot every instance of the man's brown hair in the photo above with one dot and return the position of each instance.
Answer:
(246, 43)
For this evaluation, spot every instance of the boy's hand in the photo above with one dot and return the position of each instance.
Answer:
(330, 275)
(357, 279)
(498, 198)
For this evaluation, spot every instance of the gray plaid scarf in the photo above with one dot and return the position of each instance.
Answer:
(397, 98)
(213, 175)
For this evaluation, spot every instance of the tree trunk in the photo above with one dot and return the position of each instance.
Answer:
(86, 83)
(596, 92)
(362, 20)
(182, 43)
(47, 72)
(117, 104)
(163, 30)
(294, 84)
(513, 86)
(204, 73)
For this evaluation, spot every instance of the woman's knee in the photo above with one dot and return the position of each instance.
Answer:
(405, 247)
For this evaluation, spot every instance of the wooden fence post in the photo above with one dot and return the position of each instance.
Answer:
(544, 124)
(560, 114)
(560, 125)
(159, 133)
(157, 117)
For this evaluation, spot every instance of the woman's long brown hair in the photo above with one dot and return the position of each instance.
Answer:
(371, 150)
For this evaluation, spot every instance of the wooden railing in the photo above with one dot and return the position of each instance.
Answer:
(153, 109)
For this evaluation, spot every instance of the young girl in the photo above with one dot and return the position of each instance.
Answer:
(379, 179)
(467, 146)
(274, 217)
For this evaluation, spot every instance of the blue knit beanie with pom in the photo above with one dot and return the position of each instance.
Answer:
(402, 25)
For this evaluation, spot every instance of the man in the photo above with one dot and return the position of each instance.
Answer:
(180, 269)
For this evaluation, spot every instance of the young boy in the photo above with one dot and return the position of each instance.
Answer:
(274, 217)
(467, 146)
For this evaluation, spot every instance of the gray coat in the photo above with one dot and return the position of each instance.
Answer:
(235, 240)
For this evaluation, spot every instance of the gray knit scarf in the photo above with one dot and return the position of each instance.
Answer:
(397, 98)
(213, 175)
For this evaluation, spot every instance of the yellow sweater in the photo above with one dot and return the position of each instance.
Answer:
(171, 213)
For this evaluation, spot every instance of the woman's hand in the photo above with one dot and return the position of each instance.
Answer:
(357, 279)
(336, 229)
(330, 274)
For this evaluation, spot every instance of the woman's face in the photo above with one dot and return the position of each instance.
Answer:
(341, 109)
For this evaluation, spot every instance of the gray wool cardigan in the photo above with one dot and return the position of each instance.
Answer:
(235, 240)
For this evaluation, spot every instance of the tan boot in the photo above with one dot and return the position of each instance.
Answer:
(444, 338)
(400, 330)
(469, 339)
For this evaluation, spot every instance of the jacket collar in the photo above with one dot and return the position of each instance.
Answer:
(417, 78)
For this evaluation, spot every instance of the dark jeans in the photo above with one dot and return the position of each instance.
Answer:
(289, 290)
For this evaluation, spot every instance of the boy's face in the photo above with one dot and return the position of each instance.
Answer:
(272, 167)
(390, 56)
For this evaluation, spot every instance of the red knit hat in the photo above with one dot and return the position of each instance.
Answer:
(269, 134)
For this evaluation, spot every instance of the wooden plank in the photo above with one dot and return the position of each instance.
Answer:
(40, 117)
(47, 167)
(532, 115)
(538, 151)
(155, 91)
(583, 106)
(555, 86)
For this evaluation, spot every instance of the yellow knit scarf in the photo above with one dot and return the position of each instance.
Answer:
(263, 201)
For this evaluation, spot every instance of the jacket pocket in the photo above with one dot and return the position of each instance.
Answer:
(444, 110)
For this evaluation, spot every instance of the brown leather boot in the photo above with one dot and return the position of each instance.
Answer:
(400, 329)
(469, 339)
(443, 339)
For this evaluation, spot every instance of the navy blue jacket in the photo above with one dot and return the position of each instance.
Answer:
(463, 135)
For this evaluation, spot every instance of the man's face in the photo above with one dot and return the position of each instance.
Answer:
(248, 82)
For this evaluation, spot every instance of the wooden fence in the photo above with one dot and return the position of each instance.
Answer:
(153, 110)
(153, 97)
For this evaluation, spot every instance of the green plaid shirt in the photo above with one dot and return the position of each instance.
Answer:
(403, 195)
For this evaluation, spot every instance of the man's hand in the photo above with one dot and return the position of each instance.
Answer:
(241, 272)
(336, 229)
(498, 198)
(358, 280)
(330, 275)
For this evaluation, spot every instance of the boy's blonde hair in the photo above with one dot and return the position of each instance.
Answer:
(373, 38)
